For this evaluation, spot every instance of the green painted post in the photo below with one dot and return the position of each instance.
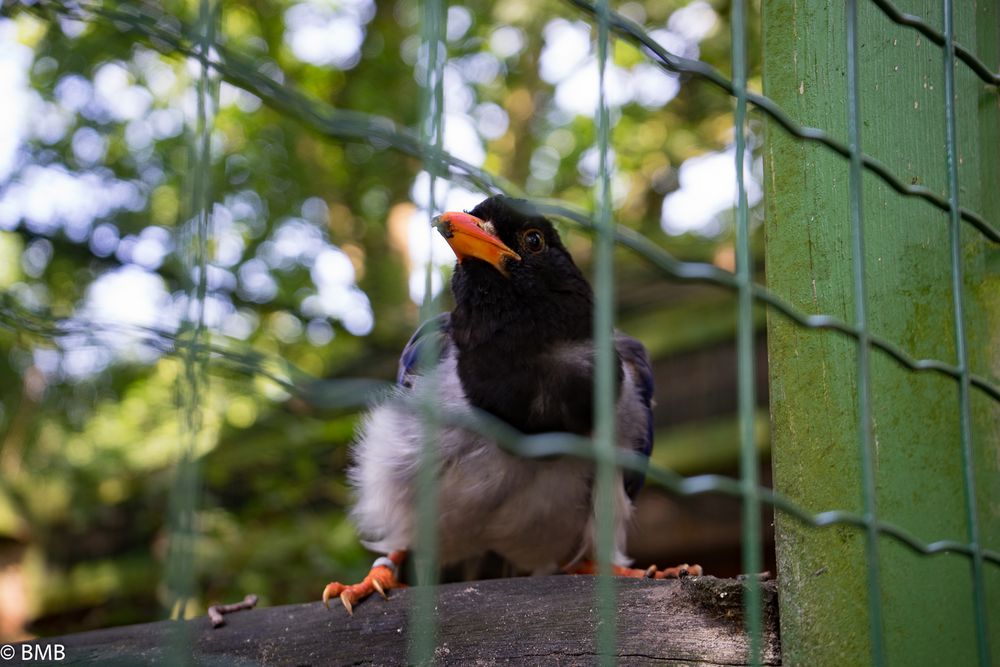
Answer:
(927, 603)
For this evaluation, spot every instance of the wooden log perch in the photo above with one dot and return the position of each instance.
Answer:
(522, 621)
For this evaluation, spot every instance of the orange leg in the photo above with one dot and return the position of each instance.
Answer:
(685, 570)
(381, 578)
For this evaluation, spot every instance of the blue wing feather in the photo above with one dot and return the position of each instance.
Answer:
(436, 330)
(633, 353)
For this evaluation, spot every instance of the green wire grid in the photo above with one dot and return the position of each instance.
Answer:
(356, 126)
(350, 125)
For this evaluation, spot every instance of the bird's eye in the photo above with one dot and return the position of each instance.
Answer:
(533, 241)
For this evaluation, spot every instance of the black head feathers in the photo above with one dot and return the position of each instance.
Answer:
(541, 290)
(523, 317)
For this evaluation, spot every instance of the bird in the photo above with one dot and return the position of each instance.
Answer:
(518, 344)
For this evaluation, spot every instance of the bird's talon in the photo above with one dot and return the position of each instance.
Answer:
(650, 572)
(332, 590)
(381, 579)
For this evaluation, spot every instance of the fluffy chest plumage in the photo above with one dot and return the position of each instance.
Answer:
(532, 512)
(537, 513)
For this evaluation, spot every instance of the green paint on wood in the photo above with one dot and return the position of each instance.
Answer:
(927, 602)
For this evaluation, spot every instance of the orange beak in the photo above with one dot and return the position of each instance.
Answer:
(468, 237)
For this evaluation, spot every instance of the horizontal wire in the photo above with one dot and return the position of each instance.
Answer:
(379, 131)
(632, 32)
(696, 271)
(547, 445)
(938, 37)
(828, 322)
(19, 320)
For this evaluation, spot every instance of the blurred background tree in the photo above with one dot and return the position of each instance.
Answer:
(315, 269)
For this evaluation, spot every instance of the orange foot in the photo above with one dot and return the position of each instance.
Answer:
(685, 570)
(381, 578)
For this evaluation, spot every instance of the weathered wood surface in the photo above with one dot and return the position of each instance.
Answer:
(524, 621)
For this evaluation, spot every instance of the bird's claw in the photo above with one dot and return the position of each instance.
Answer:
(651, 572)
(380, 579)
(332, 590)
(679, 572)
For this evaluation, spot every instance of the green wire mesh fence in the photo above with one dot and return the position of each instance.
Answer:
(218, 62)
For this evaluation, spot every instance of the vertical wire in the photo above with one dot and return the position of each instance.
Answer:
(184, 497)
(864, 344)
(423, 622)
(194, 249)
(955, 229)
(604, 362)
(745, 348)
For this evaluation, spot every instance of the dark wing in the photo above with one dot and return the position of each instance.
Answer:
(634, 354)
(433, 332)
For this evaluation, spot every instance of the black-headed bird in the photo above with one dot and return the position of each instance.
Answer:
(518, 345)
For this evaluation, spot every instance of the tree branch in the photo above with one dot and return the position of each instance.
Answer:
(530, 620)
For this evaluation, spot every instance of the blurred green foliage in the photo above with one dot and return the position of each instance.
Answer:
(90, 428)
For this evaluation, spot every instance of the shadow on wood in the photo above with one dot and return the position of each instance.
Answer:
(529, 620)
